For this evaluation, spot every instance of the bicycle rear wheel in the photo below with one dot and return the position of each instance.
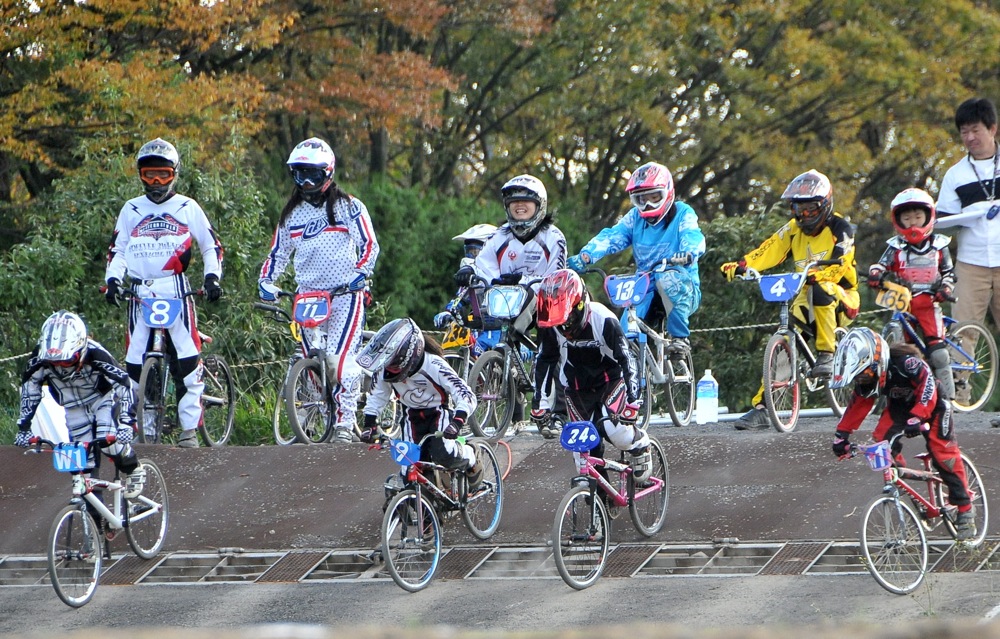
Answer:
(495, 396)
(681, 387)
(148, 514)
(411, 540)
(150, 403)
(305, 401)
(75, 556)
(978, 494)
(484, 505)
(973, 354)
(893, 545)
(649, 512)
(781, 383)
(580, 537)
(218, 401)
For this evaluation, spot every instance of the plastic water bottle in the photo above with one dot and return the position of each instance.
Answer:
(707, 401)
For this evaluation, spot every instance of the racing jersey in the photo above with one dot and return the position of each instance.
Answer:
(98, 374)
(597, 356)
(432, 386)
(835, 241)
(326, 256)
(921, 268)
(534, 258)
(153, 241)
(911, 391)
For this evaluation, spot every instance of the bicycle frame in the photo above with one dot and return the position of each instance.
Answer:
(908, 323)
(118, 518)
(588, 465)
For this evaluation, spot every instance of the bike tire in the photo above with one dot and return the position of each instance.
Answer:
(495, 396)
(411, 540)
(306, 402)
(580, 537)
(218, 401)
(681, 389)
(979, 375)
(893, 545)
(483, 507)
(150, 401)
(781, 383)
(459, 363)
(838, 398)
(649, 513)
(283, 433)
(978, 493)
(75, 555)
(149, 514)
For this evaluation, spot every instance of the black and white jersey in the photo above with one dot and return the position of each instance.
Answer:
(433, 386)
(503, 253)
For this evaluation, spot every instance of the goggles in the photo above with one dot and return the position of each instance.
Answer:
(66, 363)
(157, 175)
(647, 200)
(806, 209)
(309, 176)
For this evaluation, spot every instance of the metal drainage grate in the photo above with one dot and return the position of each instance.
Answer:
(625, 560)
(23, 571)
(347, 564)
(181, 568)
(958, 558)
(839, 558)
(458, 563)
(742, 559)
(242, 567)
(292, 567)
(794, 558)
(517, 563)
(129, 569)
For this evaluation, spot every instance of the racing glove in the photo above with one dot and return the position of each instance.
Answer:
(23, 438)
(267, 291)
(540, 417)
(732, 269)
(359, 283)
(113, 292)
(841, 445)
(685, 258)
(629, 414)
(944, 293)
(124, 434)
(212, 289)
(455, 427)
(508, 278)
(578, 262)
(442, 319)
(915, 426)
(464, 276)
(876, 274)
(370, 432)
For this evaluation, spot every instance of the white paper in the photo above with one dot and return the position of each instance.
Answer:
(959, 219)
(50, 419)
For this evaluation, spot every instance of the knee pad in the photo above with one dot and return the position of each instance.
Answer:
(938, 357)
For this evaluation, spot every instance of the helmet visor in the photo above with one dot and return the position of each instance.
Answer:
(157, 175)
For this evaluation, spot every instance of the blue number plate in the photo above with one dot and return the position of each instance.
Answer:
(626, 290)
(579, 437)
(780, 288)
(160, 312)
(69, 458)
(404, 453)
(312, 309)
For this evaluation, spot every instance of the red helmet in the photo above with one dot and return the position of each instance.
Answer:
(562, 302)
(914, 199)
(651, 190)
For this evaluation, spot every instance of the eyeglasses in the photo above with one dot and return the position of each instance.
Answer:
(157, 175)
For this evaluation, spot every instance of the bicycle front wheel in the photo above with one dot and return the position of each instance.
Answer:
(495, 396)
(781, 383)
(580, 537)
(75, 556)
(973, 354)
(218, 401)
(650, 511)
(148, 514)
(283, 433)
(151, 401)
(305, 401)
(411, 540)
(681, 387)
(893, 545)
(484, 504)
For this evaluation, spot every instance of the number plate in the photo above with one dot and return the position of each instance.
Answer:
(878, 455)
(579, 437)
(404, 453)
(160, 312)
(312, 309)
(505, 302)
(626, 290)
(69, 458)
(894, 296)
(780, 288)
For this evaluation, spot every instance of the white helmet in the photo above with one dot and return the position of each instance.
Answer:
(862, 357)
(524, 187)
(478, 233)
(63, 342)
(311, 164)
(158, 163)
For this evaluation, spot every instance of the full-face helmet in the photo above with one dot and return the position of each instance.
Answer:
(475, 238)
(651, 191)
(397, 350)
(810, 196)
(311, 164)
(524, 187)
(861, 357)
(914, 199)
(63, 343)
(158, 163)
(562, 302)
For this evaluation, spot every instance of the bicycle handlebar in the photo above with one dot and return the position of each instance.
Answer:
(751, 274)
(100, 442)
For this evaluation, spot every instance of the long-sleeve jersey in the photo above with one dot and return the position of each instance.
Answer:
(652, 243)
(98, 374)
(597, 356)
(921, 268)
(432, 386)
(910, 390)
(835, 241)
(535, 258)
(153, 241)
(326, 256)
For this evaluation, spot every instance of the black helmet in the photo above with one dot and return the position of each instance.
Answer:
(397, 349)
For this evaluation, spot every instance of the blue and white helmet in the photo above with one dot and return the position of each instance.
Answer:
(524, 187)
(311, 164)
